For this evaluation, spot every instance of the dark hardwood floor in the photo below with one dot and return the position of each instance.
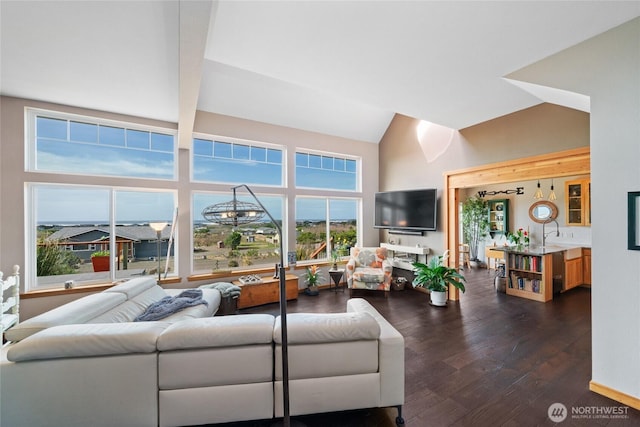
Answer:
(488, 359)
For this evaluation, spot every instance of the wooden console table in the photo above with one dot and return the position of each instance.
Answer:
(266, 292)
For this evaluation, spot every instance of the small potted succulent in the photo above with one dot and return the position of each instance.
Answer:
(435, 276)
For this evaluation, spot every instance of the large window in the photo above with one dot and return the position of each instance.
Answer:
(220, 247)
(325, 225)
(82, 145)
(326, 171)
(78, 215)
(85, 234)
(237, 162)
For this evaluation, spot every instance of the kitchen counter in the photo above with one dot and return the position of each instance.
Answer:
(537, 272)
(538, 250)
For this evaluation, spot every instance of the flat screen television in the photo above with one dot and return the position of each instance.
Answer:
(410, 210)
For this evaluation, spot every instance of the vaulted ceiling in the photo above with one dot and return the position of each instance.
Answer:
(340, 68)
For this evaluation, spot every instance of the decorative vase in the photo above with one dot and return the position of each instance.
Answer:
(334, 267)
(438, 298)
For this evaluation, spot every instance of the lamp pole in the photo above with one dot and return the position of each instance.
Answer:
(159, 235)
(158, 227)
(283, 310)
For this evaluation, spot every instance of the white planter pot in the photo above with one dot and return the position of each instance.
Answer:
(438, 298)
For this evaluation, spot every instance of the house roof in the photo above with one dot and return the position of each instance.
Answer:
(337, 68)
(130, 232)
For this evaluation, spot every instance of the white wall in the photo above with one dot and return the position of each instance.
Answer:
(607, 68)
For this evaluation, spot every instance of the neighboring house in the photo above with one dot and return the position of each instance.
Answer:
(139, 241)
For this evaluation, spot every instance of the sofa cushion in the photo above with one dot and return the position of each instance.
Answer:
(135, 286)
(132, 308)
(244, 329)
(327, 327)
(98, 339)
(211, 296)
(330, 359)
(79, 311)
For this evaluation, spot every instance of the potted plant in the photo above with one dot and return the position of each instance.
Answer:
(520, 238)
(100, 260)
(312, 276)
(435, 276)
(335, 257)
(475, 224)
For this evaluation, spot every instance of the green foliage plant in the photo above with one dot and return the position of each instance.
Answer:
(233, 240)
(52, 260)
(436, 276)
(100, 253)
(475, 223)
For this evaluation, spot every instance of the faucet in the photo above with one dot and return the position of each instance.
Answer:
(544, 235)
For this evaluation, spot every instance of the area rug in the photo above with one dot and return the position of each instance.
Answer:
(377, 417)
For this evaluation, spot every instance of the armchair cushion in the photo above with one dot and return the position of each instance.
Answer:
(369, 268)
(368, 274)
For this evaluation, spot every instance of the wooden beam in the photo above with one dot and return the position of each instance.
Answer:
(562, 163)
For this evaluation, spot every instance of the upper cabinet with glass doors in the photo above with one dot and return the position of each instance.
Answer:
(498, 217)
(578, 201)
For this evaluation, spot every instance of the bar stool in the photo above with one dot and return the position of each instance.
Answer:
(463, 250)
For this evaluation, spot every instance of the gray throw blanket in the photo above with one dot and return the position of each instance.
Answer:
(169, 305)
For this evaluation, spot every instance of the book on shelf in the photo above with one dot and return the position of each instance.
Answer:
(524, 283)
(526, 262)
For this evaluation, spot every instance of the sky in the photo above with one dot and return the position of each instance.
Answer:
(73, 147)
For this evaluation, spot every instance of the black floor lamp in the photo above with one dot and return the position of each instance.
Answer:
(235, 213)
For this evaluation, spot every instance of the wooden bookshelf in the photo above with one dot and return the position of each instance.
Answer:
(530, 276)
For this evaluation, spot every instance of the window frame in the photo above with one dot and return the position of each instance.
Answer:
(334, 155)
(238, 141)
(32, 113)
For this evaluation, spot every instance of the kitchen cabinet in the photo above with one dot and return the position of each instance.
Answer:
(573, 274)
(586, 266)
(498, 217)
(578, 201)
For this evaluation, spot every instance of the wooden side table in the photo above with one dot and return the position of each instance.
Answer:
(336, 277)
(266, 292)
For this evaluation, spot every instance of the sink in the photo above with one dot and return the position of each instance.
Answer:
(572, 253)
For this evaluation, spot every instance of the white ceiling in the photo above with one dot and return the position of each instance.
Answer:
(340, 68)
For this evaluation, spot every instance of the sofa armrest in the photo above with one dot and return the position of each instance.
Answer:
(391, 355)
(87, 340)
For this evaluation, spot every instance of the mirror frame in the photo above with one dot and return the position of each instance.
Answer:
(550, 205)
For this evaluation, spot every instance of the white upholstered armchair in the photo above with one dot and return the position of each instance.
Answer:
(369, 268)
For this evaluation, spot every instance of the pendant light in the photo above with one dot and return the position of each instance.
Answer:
(552, 195)
(538, 194)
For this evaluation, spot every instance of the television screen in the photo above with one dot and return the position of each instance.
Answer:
(407, 210)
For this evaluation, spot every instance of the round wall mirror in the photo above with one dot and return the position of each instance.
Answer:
(543, 211)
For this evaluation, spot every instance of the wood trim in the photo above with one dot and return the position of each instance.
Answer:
(616, 395)
(562, 163)
(59, 291)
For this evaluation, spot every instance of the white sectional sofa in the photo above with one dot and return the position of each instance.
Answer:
(105, 370)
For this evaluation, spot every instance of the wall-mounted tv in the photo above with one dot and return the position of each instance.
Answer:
(410, 210)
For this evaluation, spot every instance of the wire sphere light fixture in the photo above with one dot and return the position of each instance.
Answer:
(234, 212)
